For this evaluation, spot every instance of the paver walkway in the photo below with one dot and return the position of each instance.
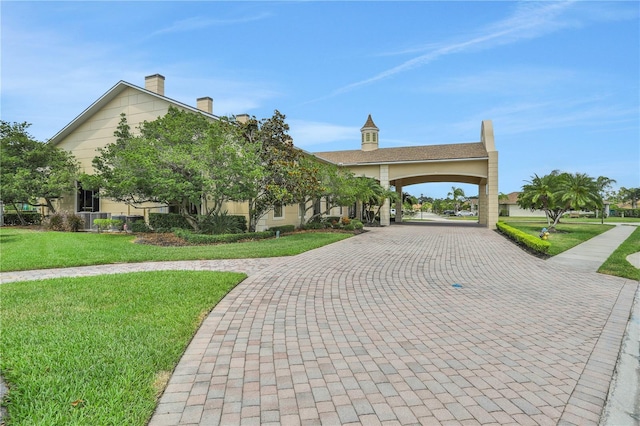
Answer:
(372, 330)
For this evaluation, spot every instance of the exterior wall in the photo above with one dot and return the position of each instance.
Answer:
(97, 131)
(514, 211)
(468, 171)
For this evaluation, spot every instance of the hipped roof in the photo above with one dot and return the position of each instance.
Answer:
(459, 151)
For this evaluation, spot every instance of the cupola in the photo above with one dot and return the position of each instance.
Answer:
(369, 135)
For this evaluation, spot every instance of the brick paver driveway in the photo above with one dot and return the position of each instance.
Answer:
(372, 330)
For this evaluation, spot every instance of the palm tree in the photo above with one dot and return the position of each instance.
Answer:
(538, 194)
(456, 194)
(578, 190)
(603, 183)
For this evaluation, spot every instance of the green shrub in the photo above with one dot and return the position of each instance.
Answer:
(220, 223)
(530, 241)
(104, 224)
(74, 222)
(165, 222)
(212, 224)
(139, 226)
(224, 238)
(315, 225)
(64, 221)
(30, 218)
(283, 229)
(55, 222)
(349, 227)
(357, 224)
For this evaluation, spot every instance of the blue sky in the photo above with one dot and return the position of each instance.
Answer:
(559, 80)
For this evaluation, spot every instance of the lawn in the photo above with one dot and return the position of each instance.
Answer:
(98, 350)
(568, 234)
(24, 249)
(617, 263)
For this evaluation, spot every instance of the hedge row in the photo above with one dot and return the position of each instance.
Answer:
(165, 222)
(283, 229)
(30, 218)
(534, 243)
(222, 238)
(335, 222)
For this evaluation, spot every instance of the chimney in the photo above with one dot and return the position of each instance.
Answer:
(205, 104)
(154, 83)
(242, 118)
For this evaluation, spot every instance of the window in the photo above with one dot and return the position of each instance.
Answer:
(88, 201)
(368, 137)
(374, 137)
(278, 211)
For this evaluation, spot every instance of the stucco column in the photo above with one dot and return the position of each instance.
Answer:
(492, 191)
(399, 203)
(385, 214)
(482, 204)
(487, 139)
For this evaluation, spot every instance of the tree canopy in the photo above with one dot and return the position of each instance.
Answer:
(558, 193)
(33, 172)
(631, 195)
(182, 160)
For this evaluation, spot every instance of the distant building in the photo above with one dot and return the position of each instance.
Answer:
(510, 207)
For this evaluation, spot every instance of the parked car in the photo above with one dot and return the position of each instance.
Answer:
(449, 213)
(465, 213)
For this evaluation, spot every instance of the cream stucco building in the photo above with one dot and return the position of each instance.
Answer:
(475, 163)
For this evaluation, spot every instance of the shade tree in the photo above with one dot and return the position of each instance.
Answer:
(182, 160)
(33, 172)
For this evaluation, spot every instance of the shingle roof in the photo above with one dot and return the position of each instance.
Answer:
(513, 198)
(369, 124)
(407, 154)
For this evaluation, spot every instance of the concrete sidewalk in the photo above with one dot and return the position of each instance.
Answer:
(591, 254)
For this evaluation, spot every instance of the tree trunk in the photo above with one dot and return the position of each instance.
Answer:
(22, 222)
(50, 206)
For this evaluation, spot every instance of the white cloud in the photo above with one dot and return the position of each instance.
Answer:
(200, 22)
(530, 20)
(516, 80)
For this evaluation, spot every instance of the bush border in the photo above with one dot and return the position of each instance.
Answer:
(522, 238)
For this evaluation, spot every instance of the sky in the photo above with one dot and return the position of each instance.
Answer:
(559, 80)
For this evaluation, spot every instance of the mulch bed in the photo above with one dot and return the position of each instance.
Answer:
(160, 239)
(169, 239)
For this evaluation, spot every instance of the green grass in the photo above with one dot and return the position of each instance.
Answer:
(571, 220)
(617, 263)
(22, 249)
(567, 236)
(97, 350)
